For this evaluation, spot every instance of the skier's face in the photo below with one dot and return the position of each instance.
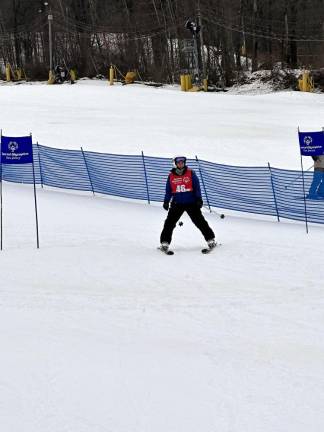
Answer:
(180, 163)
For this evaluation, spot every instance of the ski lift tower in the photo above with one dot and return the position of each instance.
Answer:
(191, 50)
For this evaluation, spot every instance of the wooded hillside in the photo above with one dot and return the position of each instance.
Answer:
(150, 36)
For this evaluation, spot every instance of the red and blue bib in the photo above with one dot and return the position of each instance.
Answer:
(181, 183)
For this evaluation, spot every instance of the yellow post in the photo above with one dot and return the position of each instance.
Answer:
(51, 77)
(19, 74)
(73, 75)
(8, 75)
(111, 75)
(186, 82)
(306, 83)
(189, 82)
(205, 84)
(183, 82)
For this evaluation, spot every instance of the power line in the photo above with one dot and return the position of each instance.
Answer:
(262, 34)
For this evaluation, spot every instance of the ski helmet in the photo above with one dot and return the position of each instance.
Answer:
(177, 159)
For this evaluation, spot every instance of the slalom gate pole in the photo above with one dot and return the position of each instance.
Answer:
(1, 185)
(35, 200)
(146, 181)
(87, 168)
(306, 221)
(202, 179)
(274, 192)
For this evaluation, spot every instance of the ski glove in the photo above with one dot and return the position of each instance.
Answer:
(166, 205)
(199, 203)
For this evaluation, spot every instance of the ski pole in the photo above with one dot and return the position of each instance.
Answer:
(221, 215)
(296, 178)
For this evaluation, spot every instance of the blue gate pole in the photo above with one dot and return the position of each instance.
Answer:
(203, 183)
(35, 196)
(274, 193)
(306, 221)
(1, 185)
(146, 182)
(40, 166)
(35, 202)
(87, 168)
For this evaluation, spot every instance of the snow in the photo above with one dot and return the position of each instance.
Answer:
(102, 332)
(221, 127)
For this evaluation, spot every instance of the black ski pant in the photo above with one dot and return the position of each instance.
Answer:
(195, 214)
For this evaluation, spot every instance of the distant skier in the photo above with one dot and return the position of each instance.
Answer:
(60, 74)
(184, 189)
(316, 190)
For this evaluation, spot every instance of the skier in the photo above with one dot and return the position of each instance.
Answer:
(60, 74)
(184, 189)
(316, 190)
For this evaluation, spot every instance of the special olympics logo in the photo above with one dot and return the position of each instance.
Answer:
(308, 140)
(12, 146)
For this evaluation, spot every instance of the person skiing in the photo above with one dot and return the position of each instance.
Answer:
(316, 190)
(183, 190)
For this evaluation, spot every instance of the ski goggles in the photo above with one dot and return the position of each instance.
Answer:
(180, 159)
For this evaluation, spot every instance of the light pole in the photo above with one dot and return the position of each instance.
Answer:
(50, 41)
(203, 64)
(194, 28)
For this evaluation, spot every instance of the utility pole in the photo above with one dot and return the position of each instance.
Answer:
(286, 60)
(50, 40)
(194, 29)
(202, 51)
(254, 39)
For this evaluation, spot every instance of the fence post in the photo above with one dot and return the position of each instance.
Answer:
(87, 168)
(146, 182)
(274, 193)
(302, 167)
(203, 183)
(40, 166)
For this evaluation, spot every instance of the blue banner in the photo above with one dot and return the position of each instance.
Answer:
(17, 150)
(311, 143)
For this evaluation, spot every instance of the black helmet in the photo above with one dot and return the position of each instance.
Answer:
(177, 159)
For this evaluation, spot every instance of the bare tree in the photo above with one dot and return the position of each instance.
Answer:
(148, 35)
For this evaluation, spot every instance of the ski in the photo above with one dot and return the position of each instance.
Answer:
(167, 252)
(208, 250)
(203, 251)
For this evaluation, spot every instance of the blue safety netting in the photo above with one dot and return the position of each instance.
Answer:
(118, 175)
(22, 173)
(261, 190)
(63, 169)
(289, 189)
(247, 189)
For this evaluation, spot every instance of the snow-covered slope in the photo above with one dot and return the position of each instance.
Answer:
(220, 127)
(102, 332)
